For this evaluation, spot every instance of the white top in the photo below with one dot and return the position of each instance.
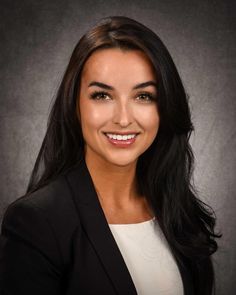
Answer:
(148, 258)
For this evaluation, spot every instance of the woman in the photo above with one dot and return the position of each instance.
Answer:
(109, 207)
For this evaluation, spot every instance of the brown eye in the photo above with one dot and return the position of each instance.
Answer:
(145, 97)
(99, 95)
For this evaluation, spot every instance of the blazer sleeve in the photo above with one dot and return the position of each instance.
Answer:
(30, 261)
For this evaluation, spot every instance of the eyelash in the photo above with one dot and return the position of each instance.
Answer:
(96, 94)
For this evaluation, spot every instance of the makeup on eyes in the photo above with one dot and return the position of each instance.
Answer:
(97, 95)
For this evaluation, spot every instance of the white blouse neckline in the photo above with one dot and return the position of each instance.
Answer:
(132, 224)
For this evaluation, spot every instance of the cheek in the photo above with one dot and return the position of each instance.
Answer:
(149, 119)
(93, 116)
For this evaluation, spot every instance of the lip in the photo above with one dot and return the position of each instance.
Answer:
(122, 143)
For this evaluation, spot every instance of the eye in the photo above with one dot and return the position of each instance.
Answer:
(146, 96)
(99, 95)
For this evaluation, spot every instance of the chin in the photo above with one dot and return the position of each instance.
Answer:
(122, 162)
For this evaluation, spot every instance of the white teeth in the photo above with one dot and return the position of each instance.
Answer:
(120, 137)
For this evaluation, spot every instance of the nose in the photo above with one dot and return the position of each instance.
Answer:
(122, 114)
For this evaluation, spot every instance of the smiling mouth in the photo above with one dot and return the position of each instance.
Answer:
(121, 137)
(121, 141)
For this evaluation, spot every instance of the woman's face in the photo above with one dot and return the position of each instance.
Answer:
(118, 112)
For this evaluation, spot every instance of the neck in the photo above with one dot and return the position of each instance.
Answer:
(114, 184)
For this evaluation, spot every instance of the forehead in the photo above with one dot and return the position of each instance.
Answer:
(115, 64)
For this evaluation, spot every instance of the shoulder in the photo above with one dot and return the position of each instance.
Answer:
(53, 200)
(45, 219)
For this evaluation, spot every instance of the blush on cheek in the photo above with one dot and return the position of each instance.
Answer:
(149, 117)
(100, 113)
(97, 117)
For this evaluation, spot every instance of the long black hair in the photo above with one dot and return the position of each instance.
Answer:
(164, 170)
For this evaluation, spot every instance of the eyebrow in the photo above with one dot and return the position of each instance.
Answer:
(108, 87)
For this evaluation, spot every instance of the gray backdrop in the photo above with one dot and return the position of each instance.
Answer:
(37, 38)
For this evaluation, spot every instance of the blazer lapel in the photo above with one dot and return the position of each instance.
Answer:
(94, 221)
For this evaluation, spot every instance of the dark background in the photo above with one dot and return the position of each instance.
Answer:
(36, 41)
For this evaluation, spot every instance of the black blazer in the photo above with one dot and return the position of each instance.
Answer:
(57, 241)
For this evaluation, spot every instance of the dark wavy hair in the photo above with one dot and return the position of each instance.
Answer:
(164, 170)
